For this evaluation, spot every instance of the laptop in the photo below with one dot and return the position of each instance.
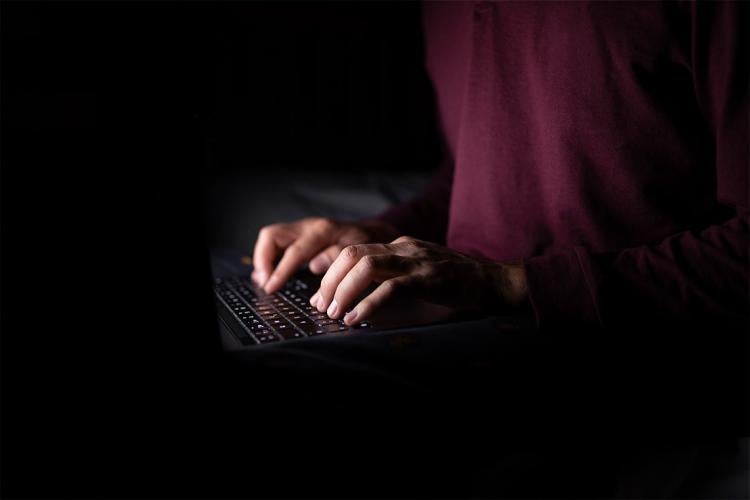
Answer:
(250, 318)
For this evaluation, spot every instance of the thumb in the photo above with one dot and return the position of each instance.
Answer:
(321, 262)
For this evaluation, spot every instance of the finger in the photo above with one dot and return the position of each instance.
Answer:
(403, 239)
(345, 261)
(387, 290)
(324, 259)
(264, 254)
(370, 268)
(294, 256)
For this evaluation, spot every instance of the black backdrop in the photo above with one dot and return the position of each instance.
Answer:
(327, 84)
(339, 85)
(114, 116)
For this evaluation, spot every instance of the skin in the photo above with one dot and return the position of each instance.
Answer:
(355, 256)
(317, 240)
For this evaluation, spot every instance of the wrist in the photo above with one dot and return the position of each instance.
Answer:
(518, 289)
(510, 286)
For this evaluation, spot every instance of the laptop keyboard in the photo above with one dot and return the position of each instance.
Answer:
(284, 315)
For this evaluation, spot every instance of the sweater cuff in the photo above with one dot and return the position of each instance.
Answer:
(560, 291)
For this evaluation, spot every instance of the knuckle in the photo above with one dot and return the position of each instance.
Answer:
(407, 241)
(368, 263)
(323, 224)
(350, 252)
(390, 287)
(294, 249)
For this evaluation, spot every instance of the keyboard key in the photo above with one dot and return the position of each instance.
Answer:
(259, 328)
(307, 326)
(264, 339)
(326, 322)
(335, 328)
(290, 333)
(284, 315)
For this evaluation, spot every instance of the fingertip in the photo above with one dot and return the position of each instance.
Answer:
(315, 267)
(333, 309)
(272, 285)
(351, 317)
(320, 264)
(260, 277)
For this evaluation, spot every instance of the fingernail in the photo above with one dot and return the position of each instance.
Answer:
(270, 284)
(321, 305)
(350, 317)
(261, 276)
(333, 309)
(314, 299)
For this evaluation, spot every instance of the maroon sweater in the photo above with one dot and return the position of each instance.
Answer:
(604, 145)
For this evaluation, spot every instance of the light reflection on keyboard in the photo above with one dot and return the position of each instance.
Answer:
(285, 315)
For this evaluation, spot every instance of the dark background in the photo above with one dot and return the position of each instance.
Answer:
(332, 84)
(117, 119)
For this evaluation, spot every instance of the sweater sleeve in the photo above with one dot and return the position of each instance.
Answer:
(696, 276)
(426, 215)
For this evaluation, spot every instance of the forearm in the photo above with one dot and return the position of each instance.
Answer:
(689, 277)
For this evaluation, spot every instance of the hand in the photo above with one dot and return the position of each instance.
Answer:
(423, 270)
(316, 239)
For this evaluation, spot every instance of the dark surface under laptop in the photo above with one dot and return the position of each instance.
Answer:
(483, 406)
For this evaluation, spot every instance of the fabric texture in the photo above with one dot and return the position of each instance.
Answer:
(602, 144)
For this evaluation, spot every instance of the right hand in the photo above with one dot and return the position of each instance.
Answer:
(317, 240)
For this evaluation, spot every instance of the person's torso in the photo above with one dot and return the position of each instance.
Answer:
(571, 123)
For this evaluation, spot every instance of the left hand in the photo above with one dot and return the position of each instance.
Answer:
(419, 269)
